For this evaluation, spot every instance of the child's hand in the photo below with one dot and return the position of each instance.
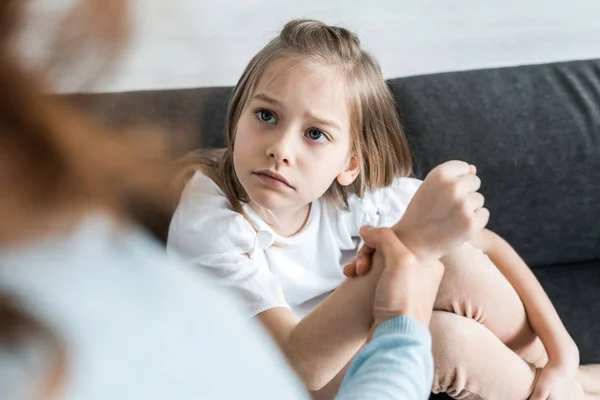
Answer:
(445, 212)
(556, 382)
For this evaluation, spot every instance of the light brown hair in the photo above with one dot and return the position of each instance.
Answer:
(56, 163)
(378, 139)
(21, 331)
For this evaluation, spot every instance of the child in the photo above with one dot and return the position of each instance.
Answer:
(316, 151)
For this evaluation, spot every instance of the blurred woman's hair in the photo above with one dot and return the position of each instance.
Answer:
(56, 163)
(36, 354)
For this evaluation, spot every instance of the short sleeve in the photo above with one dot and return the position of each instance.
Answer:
(206, 232)
(381, 207)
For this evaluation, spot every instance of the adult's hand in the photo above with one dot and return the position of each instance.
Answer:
(405, 286)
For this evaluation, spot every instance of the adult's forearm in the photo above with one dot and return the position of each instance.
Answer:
(322, 343)
(396, 364)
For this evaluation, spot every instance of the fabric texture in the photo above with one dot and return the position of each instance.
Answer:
(137, 326)
(265, 269)
(534, 134)
(399, 344)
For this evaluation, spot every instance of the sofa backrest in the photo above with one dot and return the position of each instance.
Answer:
(532, 131)
(534, 134)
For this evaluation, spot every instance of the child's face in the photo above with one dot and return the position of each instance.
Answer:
(296, 128)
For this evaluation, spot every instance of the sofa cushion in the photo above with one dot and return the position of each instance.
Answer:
(534, 134)
(575, 292)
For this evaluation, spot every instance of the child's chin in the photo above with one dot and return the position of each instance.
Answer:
(270, 201)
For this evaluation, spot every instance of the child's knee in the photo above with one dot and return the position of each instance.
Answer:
(473, 287)
(465, 258)
(457, 345)
(472, 363)
(455, 339)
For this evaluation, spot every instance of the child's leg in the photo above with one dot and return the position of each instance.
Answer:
(471, 363)
(589, 376)
(474, 288)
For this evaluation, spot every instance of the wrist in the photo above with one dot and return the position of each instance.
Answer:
(401, 324)
(412, 242)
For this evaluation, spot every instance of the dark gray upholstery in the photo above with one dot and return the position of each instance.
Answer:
(533, 132)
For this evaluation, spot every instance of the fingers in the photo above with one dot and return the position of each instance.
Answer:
(482, 217)
(363, 265)
(462, 174)
(350, 269)
(475, 201)
(385, 241)
(378, 238)
(363, 259)
(453, 168)
(469, 183)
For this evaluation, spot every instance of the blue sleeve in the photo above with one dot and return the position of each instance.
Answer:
(396, 364)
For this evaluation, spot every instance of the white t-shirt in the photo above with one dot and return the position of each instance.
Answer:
(268, 270)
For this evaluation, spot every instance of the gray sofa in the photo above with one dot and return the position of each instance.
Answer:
(532, 131)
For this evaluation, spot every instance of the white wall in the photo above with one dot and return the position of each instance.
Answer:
(187, 43)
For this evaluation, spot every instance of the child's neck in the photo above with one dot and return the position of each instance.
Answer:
(286, 222)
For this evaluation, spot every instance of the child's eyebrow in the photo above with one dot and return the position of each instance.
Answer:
(320, 120)
(324, 121)
(267, 99)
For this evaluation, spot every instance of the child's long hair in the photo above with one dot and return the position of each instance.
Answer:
(378, 139)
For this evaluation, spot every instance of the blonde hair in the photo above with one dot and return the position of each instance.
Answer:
(378, 141)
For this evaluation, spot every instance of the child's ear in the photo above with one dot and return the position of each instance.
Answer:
(350, 173)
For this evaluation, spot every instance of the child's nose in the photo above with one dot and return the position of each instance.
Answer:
(282, 149)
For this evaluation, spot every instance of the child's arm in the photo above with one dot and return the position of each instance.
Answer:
(322, 343)
(449, 208)
(446, 211)
(541, 313)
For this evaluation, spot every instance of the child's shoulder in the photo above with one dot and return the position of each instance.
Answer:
(206, 219)
(400, 188)
(202, 191)
(405, 184)
(383, 206)
(200, 183)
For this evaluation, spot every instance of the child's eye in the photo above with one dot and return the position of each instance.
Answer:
(317, 136)
(266, 116)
